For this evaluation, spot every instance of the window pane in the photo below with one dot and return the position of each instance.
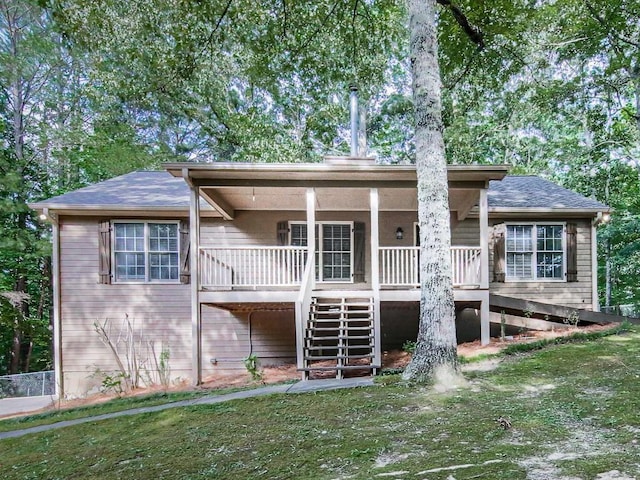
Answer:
(549, 258)
(299, 234)
(129, 266)
(336, 252)
(163, 237)
(163, 266)
(519, 238)
(519, 265)
(129, 237)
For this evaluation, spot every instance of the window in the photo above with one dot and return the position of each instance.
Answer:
(535, 252)
(146, 251)
(333, 249)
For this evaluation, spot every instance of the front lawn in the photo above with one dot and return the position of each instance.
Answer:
(573, 410)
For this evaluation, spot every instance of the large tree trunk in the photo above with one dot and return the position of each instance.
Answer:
(436, 345)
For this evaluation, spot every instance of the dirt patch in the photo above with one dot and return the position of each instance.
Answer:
(392, 360)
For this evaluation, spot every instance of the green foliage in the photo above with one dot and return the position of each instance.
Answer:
(252, 364)
(409, 346)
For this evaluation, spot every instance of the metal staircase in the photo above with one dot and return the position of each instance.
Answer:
(339, 335)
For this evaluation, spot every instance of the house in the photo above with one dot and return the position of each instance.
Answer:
(213, 262)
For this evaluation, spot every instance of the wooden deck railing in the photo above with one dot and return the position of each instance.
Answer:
(252, 267)
(400, 266)
(229, 267)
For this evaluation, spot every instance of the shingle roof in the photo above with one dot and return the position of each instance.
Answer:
(161, 190)
(531, 192)
(135, 189)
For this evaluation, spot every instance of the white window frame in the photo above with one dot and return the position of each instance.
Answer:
(318, 251)
(534, 256)
(146, 224)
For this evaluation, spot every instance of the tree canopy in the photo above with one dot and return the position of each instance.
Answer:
(93, 89)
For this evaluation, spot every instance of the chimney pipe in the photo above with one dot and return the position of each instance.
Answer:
(353, 110)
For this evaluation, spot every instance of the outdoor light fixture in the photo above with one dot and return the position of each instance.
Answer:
(399, 233)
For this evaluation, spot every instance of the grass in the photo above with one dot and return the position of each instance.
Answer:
(573, 408)
(115, 405)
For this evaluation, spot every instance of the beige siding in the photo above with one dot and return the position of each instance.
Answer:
(229, 337)
(572, 294)
(161, 313)
(466, 233)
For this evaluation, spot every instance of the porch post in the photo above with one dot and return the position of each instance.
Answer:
(311, 229)
(484, 267)
(194, 248)
(375, 274)
(484, 239)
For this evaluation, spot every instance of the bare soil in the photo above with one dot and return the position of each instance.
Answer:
(393, 359)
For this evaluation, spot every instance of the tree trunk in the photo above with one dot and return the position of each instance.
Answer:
(436, 343)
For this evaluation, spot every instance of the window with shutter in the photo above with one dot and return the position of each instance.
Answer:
(145, 251)
(535, 252)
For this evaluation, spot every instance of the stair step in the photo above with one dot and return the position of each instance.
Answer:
(343, 337)
(333, 329)
(339, 357)
(336, 347)
(344, 367)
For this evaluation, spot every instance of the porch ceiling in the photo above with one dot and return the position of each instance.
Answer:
(329, 199)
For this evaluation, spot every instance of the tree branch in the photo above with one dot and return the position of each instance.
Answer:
(473, 32)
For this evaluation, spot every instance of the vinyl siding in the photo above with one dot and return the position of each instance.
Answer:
(571, 294)
(158, 312)
(229, 337)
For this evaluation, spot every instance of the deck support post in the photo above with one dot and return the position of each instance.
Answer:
(194, 247)
(375, 274)
(595, 301)
(485, 325)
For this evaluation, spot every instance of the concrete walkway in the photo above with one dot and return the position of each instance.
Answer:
(12, 406)
(300, 387)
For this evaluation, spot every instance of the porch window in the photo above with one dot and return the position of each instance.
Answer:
(146, 251)
(535, 252)
(334, 241)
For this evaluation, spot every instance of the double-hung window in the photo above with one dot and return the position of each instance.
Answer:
(334, 259)
(146, 251)
(535, 252)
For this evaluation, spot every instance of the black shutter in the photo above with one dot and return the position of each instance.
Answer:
(359, 241)
(499, 252)
(185, 249)
(283, 233)
(572, 252)
(104, 252)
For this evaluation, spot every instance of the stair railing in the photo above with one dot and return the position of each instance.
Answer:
(303, 306)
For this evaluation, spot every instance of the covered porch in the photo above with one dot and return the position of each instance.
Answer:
(344, 232)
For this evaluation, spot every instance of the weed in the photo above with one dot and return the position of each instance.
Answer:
(252, 364)
(409, 346)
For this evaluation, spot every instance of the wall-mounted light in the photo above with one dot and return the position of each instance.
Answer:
(399, 233)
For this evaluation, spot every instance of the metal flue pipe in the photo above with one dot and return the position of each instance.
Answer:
(353, 110)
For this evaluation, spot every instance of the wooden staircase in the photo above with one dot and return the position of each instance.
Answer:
(339, 336)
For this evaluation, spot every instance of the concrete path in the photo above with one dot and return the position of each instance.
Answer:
(12, 406)
(300, 387)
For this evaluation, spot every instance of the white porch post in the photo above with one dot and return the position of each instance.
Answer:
(375, 274)
(484, 266)
(194, 248)
(311, 229)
